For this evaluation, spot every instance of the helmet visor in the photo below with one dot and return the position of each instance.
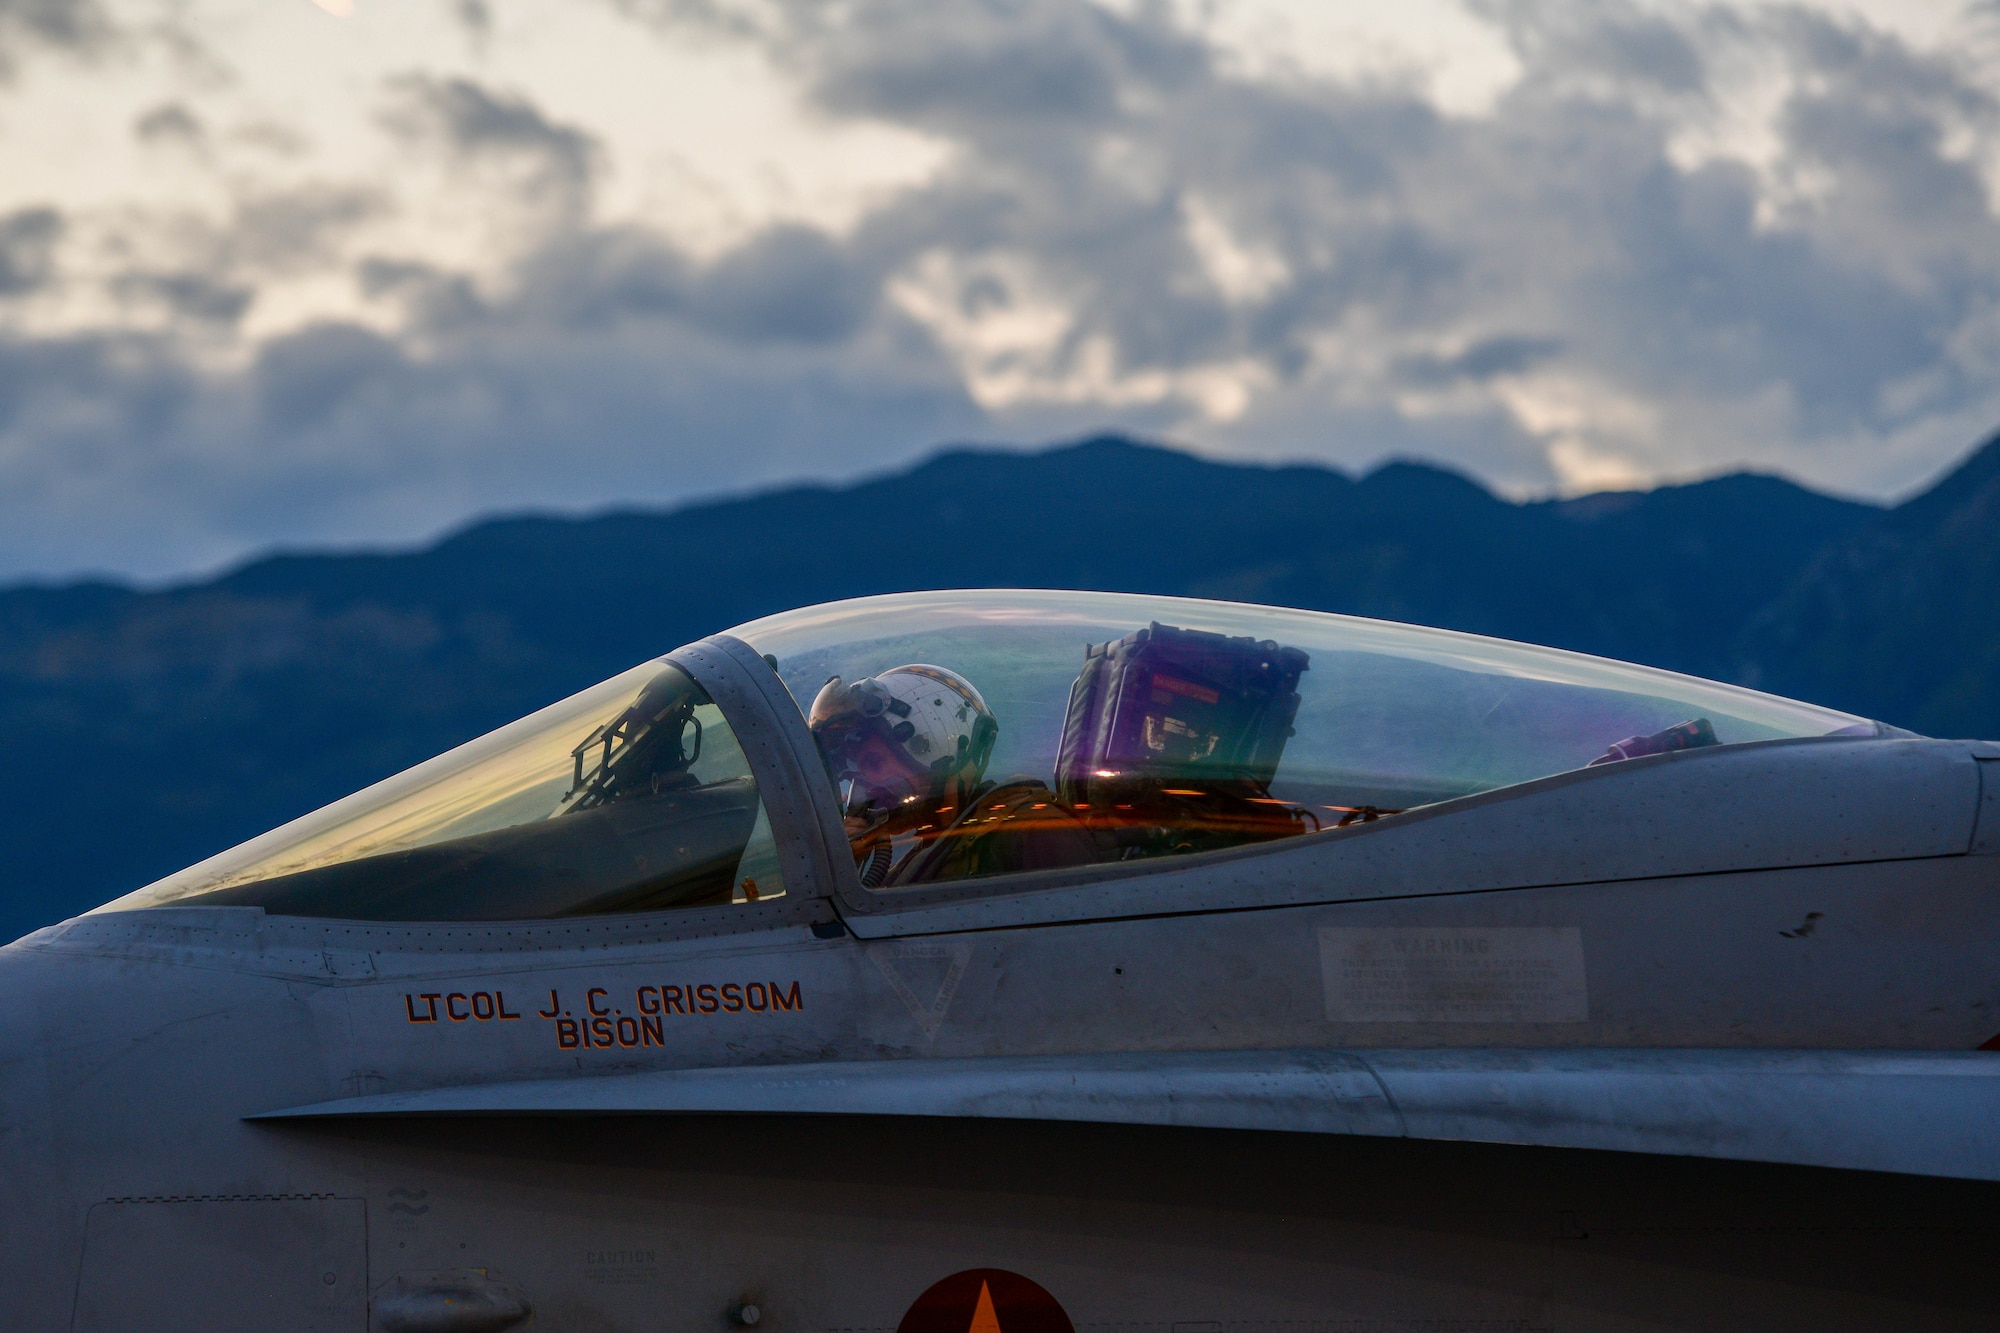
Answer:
(861, 740)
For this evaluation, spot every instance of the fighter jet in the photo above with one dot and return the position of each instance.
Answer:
(1029, 962)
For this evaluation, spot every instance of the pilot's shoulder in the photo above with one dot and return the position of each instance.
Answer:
(1020, 803)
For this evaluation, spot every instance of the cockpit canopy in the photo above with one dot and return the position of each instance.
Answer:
(1128, 727)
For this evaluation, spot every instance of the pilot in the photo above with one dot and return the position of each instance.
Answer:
(909, 749)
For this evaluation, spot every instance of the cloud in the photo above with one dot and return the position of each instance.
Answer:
(185, 296)
(75, 26)
(1126, 221)
(482, 129)
(433, 299)
(169, 123)
(476, 16)
(302, 227)
(1670, 240)
(1484, 360)
(379, 443)
(303, 380)
(27, 245)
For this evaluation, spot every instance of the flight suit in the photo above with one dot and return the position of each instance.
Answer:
(1006, 827)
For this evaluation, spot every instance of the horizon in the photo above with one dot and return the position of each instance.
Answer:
(191, 578)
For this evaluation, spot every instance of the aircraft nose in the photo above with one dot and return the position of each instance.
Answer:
(37, 1196)
(23, 1074)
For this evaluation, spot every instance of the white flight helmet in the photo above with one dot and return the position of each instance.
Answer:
(932, 716)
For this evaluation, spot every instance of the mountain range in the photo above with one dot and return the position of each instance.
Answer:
(146, 729)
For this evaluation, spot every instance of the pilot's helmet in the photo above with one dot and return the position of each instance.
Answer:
(935, 730)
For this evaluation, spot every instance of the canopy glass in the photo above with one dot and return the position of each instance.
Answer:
(971, 734)
(1131, 726)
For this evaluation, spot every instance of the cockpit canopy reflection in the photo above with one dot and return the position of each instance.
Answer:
(1134, 727)
(968, 735)
(632, 796)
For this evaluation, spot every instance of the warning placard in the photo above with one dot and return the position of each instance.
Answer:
(1477, 974)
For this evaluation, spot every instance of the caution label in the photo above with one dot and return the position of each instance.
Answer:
(1479, 974)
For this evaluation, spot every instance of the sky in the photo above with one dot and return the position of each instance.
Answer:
(312, 273)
